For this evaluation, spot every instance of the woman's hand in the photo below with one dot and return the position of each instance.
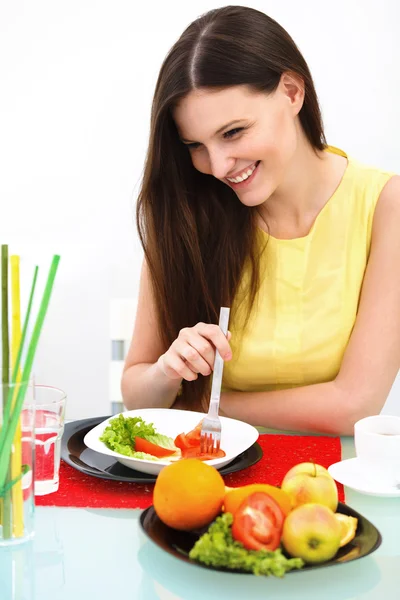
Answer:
(193, 352)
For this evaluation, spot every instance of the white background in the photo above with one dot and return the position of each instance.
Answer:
(77, 78)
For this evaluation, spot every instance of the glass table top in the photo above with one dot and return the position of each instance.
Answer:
(102, 554)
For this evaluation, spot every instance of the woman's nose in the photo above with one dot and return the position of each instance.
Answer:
(220, 164)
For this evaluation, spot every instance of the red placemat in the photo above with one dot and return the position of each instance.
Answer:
(280, 453)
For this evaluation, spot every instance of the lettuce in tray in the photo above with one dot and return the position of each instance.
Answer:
(120, 434)
(217, 548)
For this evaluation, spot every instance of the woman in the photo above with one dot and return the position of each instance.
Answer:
(243, 204)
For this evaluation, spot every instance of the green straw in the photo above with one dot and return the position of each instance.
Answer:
(9, 436)
(6, 508)
(4, 314)
(25, 327)
(7, 407)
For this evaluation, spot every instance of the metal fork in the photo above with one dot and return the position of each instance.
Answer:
(210, 436)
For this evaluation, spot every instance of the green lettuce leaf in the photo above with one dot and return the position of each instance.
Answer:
(144, 456)
(160, 440)
(217, 548)
(120, 433)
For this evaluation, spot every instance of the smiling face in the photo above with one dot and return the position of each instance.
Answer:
(244, 138)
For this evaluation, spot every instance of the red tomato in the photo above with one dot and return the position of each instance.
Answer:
(182, 442)
(195, 453)
(189, 440)
(194, 434)
(142, 445)
(258, 522)
(189, 443)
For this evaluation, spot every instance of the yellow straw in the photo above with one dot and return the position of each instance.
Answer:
(16, 457)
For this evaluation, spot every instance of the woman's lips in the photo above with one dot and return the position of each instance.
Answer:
(246, 182)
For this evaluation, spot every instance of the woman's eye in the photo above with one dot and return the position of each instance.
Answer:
(232, 132)
(193, 145)
(228, 134)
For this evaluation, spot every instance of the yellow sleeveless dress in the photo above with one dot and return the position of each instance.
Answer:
(310, 287)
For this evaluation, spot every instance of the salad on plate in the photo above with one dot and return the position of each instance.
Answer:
(133, 437)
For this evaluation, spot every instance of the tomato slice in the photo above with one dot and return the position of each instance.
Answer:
(190, 439)
(194, 452)
(194, 434)
(142, 445)
(258, 522)
(181, 441)
(189, 443)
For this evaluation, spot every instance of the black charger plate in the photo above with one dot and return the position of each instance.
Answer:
(87, 461)
(179, 543)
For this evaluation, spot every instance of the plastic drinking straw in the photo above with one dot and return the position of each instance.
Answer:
(12, 425)
(16, 456)
(6, 502)
(16, 375)
(16, 369)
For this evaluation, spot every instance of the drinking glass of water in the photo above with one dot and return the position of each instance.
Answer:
(49, 426)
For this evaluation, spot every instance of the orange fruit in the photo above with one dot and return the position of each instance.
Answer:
(235, 496)
(188, 494)
(348, 528)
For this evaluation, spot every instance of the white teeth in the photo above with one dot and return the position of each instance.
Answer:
(245, 175)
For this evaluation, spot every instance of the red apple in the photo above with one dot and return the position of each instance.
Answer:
(311, 532)
(308, 482)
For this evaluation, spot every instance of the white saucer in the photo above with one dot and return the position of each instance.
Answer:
(355, 475)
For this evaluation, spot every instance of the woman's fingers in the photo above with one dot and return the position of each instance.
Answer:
(197, 352)
(215, 334)
(193, 352)
(175, 367)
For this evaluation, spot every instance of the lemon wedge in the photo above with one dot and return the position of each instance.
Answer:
(348, 528)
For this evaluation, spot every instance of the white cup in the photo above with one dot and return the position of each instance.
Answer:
(377, 443)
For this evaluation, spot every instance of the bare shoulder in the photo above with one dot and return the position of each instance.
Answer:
(388, 205)
(385, 240)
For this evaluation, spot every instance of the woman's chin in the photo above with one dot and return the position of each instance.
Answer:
(254, 198)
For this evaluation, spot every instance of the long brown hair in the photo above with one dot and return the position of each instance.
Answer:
(196, 234)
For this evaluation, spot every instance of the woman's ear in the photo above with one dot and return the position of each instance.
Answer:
(292, 86)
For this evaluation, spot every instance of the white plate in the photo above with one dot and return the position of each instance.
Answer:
(355, 475)
(236, 436)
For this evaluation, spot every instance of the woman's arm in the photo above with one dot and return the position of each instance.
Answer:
(372, 358)
(153, 374)
(144, 384)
